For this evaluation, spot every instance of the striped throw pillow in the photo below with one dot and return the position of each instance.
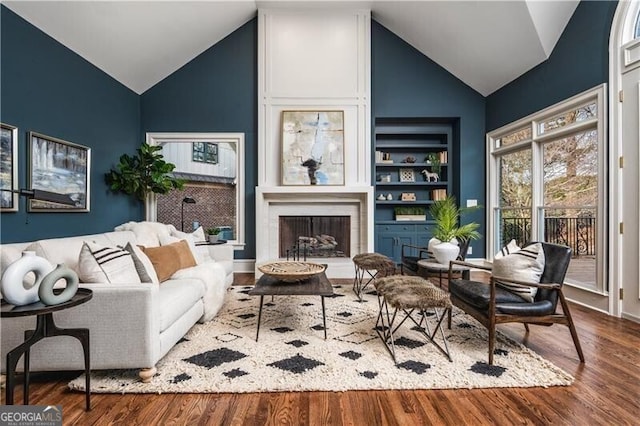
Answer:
(525, 265)
(99, 264)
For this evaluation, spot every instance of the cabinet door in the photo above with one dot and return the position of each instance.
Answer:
(423, 235)
(390, 238)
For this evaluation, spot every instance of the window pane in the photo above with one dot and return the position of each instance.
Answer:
(582, 113)
(514, 217)
(571, 170)
(515, 179)
(517, 136)
(513, 224)
(570, 196)
(576, 228)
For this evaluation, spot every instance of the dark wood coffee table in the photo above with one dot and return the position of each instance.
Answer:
(318, 285)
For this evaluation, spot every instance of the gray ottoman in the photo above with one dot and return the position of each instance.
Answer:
(369, 267)
(401, 296)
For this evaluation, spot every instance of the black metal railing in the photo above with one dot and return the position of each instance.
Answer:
(579, 233)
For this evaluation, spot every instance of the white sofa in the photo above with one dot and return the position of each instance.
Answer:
(132, 325)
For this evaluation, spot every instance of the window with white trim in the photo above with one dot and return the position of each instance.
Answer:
(547, 183)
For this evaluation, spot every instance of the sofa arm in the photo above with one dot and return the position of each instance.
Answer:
(220, 252)
(122, 321)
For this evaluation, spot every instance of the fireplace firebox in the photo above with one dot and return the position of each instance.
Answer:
(314, 236)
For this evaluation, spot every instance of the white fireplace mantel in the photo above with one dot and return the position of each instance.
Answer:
(355, 201)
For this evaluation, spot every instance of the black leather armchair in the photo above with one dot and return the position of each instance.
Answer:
(492, 305)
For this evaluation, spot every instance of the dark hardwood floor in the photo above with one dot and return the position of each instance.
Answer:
(606, 391)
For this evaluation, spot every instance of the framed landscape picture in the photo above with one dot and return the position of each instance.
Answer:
(8, 168)
(61, 167)
(313, 148)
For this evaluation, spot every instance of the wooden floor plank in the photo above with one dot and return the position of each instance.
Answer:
(605, 391)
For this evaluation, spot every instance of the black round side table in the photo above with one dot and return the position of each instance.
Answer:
(45, 327)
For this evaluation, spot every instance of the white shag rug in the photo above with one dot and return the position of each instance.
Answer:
(292, 355)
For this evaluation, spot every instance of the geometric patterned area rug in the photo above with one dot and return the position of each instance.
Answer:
(292, 354)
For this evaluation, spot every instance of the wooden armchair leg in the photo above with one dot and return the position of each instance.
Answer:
(572, 327)
(492, 342)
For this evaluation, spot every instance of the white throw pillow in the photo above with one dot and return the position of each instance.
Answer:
(99, 264)
(197, 235)
(512, 247)
(525, 265)
(144, 267)
(148, 234)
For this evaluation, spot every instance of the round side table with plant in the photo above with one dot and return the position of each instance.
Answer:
(447, 232)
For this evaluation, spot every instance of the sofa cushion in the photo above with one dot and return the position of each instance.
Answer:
(177, 296)
(170, 258)
(526, 265)
(197, 235)
(199, 256)
(99, 264)
(147, 233)
(144, 267)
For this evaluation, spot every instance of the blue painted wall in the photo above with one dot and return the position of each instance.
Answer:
(579, 61)
(49, 89)
(405, 83)
(215, 92)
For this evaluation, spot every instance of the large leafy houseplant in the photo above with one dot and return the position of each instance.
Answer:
(446, 215)
(447, 232)
(144, 173)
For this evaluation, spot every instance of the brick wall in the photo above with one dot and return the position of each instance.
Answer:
(215, 206)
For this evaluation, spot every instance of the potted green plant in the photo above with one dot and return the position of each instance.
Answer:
(213, 234)
(411, 213)
(433, 160)
(144, 173)
(446, 215)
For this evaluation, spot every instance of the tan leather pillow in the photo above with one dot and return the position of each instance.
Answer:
(168, 259)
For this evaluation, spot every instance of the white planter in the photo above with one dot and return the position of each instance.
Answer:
(445, 252)
(213, 238)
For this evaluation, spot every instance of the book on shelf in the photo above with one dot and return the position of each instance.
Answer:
(438, 194)
(383, 157)
(442, 155)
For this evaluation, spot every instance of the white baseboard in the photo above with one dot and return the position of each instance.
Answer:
(244, 266)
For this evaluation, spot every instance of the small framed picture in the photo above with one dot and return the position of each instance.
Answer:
(407, 175)
(9, 168)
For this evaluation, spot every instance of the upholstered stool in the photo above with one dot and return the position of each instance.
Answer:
(375, 265)
(402, 294)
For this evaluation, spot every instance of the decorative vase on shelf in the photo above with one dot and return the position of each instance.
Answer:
(47, 296)
(445, 252)
(14, 290)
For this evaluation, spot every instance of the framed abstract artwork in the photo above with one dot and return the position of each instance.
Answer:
(61, 167)
(313, 148)
(8, 168)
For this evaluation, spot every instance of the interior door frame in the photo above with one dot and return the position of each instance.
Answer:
(621, 43)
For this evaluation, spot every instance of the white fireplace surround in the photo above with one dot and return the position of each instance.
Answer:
(355, 202)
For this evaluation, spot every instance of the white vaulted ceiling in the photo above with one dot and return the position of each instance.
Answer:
(486, 44)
